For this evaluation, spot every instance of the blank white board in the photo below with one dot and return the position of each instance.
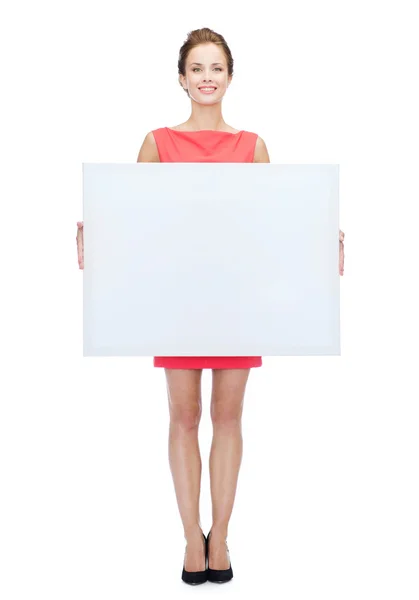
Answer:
(210, 259)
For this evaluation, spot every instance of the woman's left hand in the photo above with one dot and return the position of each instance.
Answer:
(341, 252)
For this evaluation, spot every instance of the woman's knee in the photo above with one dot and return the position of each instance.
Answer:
(226, 415)
(227, 397)
(185, 417)
(184, 398)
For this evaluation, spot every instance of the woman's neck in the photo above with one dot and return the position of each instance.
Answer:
(205, 121)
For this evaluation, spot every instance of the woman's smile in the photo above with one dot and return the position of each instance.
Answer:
(207, 90)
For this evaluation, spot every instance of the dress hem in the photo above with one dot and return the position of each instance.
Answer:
(214, 362)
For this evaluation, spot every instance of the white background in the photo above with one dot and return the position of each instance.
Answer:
(327, 500)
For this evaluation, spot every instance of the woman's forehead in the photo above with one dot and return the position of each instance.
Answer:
(206, 54)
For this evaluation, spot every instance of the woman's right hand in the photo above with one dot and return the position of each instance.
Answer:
(80, 247)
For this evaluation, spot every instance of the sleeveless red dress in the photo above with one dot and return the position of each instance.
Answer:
(206, 145)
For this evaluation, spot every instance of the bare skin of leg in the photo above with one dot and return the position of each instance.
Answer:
(227, 399)
(185, 407)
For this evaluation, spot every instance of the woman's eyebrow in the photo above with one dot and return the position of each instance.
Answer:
(201, 65)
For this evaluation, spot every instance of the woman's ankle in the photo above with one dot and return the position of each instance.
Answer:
(219, 530)
(192, 531)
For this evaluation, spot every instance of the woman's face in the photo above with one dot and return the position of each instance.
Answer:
(206, 66)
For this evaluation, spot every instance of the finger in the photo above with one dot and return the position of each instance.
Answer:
(80, 244)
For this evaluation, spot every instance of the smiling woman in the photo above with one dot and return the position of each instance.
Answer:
(205, 71)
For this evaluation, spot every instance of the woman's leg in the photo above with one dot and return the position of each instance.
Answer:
(185, 407)
(227, 398)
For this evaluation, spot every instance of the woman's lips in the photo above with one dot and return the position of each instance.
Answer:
(203, 91)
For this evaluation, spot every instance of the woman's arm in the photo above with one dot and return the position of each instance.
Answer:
(261, 152)
(148, 151)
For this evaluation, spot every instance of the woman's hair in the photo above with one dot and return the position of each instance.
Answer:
(198, 37)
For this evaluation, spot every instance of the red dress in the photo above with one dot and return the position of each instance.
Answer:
(206, 145)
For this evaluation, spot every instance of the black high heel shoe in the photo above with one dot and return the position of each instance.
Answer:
(196, 577)
(218, 575)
